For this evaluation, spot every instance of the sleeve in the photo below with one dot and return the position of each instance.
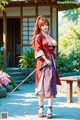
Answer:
(38, 47)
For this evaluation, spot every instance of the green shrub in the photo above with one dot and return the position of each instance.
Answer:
(27, 60)
(70, 62)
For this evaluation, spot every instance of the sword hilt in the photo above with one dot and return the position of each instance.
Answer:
(43, 67)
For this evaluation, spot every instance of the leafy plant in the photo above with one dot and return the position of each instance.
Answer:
(72, 14)
(69, 46)
(2, 4)
(70, 62)
(27, 60)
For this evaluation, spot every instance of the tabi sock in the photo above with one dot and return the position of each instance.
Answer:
(40, 107)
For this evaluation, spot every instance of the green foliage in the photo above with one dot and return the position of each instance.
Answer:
(72, 14)
(27, 60)
(70, 38)
(13, 83)
(62, 58)
(2, 4)
(69, 46)
(69, 63)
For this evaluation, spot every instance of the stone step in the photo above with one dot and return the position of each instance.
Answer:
(27, 81)
(18, 81)
(13, 69)
(17, 73)
(19, 77)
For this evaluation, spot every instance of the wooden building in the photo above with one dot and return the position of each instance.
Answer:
(17, 24)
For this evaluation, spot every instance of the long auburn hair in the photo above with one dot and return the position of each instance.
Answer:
(41, 20)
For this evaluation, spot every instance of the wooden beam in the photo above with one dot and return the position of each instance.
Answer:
(60, 6)
(4, 40)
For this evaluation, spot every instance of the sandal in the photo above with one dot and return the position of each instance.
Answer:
(40, 114)
(48, 116)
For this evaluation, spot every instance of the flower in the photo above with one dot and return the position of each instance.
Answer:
(4, 79)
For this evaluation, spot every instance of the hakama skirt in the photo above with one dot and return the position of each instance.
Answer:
(47, 84)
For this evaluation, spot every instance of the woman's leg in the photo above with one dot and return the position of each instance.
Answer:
(40, 102)
(50, 103)
(40, 99)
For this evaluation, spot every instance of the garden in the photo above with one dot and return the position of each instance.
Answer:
(68, 47)
(7, 83)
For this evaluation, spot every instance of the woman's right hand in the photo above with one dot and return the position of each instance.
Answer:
(48, 62)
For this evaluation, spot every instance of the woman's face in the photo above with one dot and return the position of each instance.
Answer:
(45, 28)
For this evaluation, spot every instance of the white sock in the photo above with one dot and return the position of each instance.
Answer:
(49, 111)
(50, 102)
(40, 108)
(40, 103)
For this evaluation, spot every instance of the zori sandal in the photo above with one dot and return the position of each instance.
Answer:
(40, 113)
(49, 114)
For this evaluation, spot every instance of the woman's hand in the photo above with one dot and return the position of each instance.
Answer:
(48, 62)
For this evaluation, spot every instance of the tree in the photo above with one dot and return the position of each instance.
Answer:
(69, 46)
(2, 4)
(70, 36)
(72, 14)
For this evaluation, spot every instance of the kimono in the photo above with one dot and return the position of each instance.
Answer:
(47, 78)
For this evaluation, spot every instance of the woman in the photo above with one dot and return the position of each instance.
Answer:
(47, 78)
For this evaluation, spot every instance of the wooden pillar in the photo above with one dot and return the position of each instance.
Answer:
(4, 40)
(55, 24)
(21, 28)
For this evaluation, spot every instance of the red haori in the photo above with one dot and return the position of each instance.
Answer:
(41, 44)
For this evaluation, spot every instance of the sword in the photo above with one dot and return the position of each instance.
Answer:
(27, 78)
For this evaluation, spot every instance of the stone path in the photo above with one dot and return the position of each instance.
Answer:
(22, 105)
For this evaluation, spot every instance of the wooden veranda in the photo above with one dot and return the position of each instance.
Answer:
(17, 23)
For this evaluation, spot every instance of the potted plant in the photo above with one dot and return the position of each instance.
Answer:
(27, 60)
